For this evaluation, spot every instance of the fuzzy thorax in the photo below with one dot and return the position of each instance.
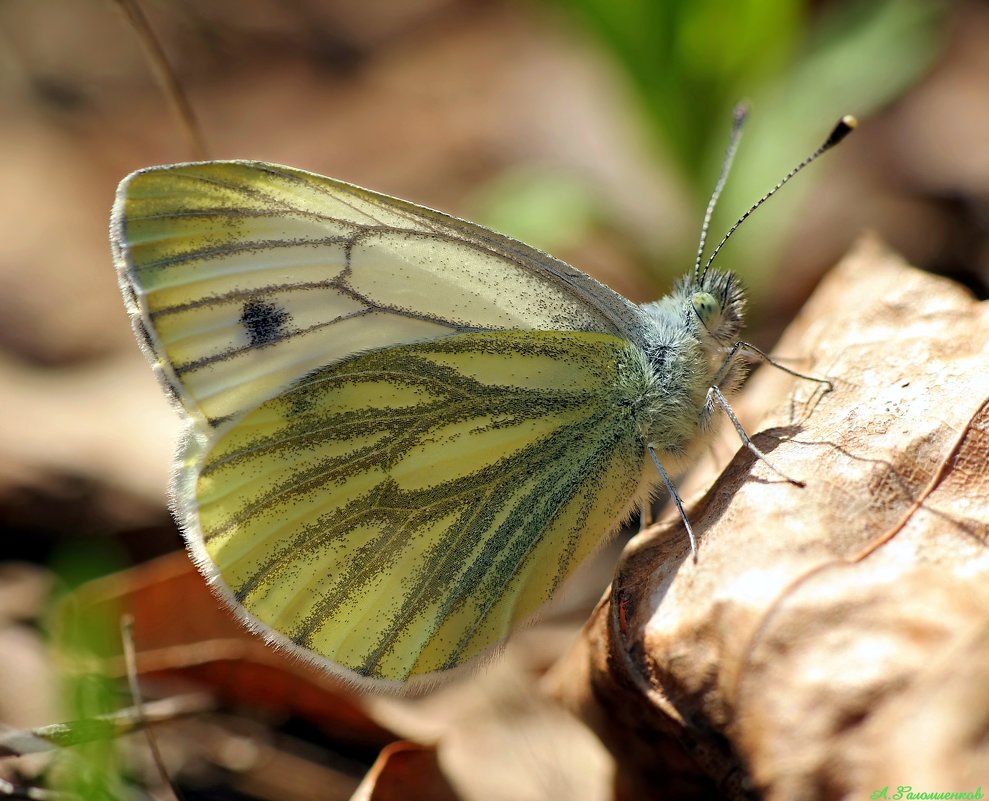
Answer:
(681, 352)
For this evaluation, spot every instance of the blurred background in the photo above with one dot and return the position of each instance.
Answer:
(590, 128)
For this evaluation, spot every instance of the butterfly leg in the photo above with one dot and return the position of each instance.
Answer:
(645, 514)
(748, 346)
(676, 501)
(715, 397)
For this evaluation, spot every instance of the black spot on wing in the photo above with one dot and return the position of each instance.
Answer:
(265, 322)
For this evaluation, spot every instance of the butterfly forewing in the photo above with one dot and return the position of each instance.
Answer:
(394, 515)
(241, 277)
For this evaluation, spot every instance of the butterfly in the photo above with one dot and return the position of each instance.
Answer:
(403, 430)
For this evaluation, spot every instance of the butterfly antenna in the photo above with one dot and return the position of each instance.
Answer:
(844, 127)
(738, 119)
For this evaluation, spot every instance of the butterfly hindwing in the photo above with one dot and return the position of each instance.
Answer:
(241, 277)
(396, 514)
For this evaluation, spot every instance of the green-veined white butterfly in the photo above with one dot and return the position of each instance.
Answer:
(404, 430)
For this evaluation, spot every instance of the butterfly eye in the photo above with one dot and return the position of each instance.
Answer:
(707, 309)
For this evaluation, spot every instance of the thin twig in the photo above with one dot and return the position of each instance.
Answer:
(127, 637)
(18, 742)
(166, 77)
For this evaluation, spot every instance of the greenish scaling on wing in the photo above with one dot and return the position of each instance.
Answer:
(403, 430)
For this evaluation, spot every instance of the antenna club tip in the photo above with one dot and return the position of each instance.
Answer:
(740, 112)
(845, 126)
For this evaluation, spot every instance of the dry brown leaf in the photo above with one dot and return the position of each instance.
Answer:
(498, 737)
(406, 771)
(833, 639)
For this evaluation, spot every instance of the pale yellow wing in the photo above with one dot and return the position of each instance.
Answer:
(240, 277)
(396, 514)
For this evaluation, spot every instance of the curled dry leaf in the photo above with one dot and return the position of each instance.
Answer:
(833, 639)
(406, 771)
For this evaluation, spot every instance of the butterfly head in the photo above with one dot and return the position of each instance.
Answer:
(702, 317)
(715, 305)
